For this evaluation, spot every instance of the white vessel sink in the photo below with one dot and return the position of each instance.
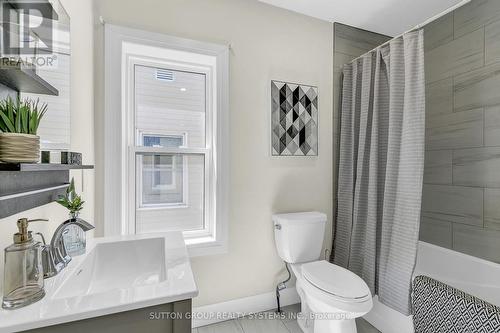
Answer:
(114, 275)
(117, 265)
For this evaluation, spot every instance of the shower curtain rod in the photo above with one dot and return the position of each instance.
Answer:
(418, 26)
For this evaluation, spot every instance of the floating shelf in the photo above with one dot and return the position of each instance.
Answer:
(13, 203)
(19, 194)
(28, 185)
(42, 167)
(25, 79)
(20, 191)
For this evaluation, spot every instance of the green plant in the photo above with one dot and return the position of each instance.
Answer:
(21, 116)
(72, 201)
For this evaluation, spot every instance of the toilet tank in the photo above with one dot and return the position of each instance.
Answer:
(299, 236)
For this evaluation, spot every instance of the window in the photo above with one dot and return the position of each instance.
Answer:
(172, 154)
(169, 103)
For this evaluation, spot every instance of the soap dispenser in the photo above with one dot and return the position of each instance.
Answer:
(23, 272)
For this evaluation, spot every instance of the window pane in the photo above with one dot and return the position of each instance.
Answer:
(171, 103)
(170, 192)
(162, 180)
(162, 141)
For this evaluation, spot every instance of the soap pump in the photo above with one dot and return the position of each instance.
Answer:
(23, 272)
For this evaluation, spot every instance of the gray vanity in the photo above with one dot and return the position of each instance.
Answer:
(151, 319)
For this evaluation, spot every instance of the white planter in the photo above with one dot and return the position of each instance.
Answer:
(19, 148)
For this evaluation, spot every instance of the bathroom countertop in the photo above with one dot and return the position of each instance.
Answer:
(72, 296)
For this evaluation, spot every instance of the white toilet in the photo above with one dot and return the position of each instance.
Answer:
(331, 297)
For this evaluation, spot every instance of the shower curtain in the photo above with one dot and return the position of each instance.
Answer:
(381, 165)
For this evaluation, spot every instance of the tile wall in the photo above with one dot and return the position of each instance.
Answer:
(461, 195)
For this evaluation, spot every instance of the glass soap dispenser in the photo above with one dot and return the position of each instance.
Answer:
(23, 271)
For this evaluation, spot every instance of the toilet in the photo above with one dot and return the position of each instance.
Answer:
(331, 297)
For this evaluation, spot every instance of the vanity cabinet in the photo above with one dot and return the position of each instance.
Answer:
(165, 318)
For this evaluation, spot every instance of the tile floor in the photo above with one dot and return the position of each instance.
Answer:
(277, 325)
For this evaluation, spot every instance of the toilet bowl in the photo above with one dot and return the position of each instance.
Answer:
(334, 297)
(331, 296)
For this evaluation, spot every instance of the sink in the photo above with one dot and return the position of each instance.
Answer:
(117, 265)
(116, 274)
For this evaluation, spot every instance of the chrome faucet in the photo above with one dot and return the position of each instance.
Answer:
(54, 255)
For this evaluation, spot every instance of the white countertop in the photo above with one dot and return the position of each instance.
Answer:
(177, 283)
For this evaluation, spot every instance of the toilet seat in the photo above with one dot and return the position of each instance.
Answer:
(339, 283)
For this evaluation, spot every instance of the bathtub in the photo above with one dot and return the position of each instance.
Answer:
(475, 276)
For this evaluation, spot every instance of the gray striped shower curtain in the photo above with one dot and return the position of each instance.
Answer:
(381, 162)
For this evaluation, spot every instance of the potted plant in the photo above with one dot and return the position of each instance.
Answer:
(19, 121)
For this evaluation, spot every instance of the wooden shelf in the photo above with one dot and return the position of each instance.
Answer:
(42, 167)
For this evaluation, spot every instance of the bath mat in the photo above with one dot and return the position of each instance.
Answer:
(440, 308)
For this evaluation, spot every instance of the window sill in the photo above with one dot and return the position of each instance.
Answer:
(205, 246)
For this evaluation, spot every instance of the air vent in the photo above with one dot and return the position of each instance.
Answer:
(164, 75)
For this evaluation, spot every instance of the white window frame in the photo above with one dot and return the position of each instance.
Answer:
(140, 205)
(125, 47)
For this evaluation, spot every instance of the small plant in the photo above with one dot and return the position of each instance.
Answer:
(21, 116)
(72, 201)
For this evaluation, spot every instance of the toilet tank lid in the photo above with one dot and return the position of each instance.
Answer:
(304, 217)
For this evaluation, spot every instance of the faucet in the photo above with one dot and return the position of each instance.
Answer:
(54, 255)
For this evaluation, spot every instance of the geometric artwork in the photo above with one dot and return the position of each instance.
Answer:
(294, 119)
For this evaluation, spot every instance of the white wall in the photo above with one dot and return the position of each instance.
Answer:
(267, 43)
(82, 126)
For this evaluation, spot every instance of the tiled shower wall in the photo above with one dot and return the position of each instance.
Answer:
(349, 43)
(461, 194)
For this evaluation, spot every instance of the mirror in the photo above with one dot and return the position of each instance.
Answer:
(55, 128)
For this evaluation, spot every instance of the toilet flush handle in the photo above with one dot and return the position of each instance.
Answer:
(277, 226)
